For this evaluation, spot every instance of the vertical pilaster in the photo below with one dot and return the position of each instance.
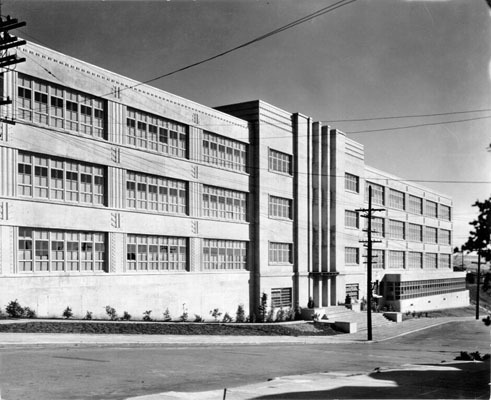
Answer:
(116, 184)
(195, 193)
(8, 168)
(195, 143)
(116, 122)
(117, 252)
(195, 263)
(7, 253)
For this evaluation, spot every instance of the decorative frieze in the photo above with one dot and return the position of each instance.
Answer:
(116, 220)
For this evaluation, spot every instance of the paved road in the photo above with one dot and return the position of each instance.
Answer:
(118, 372)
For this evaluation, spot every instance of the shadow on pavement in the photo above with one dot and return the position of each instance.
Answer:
(463, 380)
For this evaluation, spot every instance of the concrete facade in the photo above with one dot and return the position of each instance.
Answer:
(116, 193)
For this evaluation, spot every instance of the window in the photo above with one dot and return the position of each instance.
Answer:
(445, 212)
(396, 229)
(224, 152)
(59, 179)
(415, 205)
(397, 199)
(351, 183)
(431, 209)
(414, 260)
(352, 255)
(280, 253)
(281, 297)
(415, 232)
(415, 289)
(378, 226)
(431, 235)
(396, 259)
(351, 219)
(52, 105)
(378, 193)
(378, 259)
(353, 291)
(445, 261)
(42, 250)
(156, 134)
(444, 237)
(280, 162)
(154, 193)
(224, 203)
(224, 254)
(156, 253)
(431, 261)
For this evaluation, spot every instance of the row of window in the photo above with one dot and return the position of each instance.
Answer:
(52, 105)
(224, 203)
(400, 230)
(399, 259)
(397, 199)
(414, 289)
(43, 250)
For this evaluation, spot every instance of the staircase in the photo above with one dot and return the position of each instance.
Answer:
(341, 313)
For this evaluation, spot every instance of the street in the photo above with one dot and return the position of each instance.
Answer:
(112, 372)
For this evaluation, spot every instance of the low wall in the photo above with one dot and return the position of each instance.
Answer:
(198, 293)
(430, 303)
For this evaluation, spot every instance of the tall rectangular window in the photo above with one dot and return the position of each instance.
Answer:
(431, 234)
(49, 104)
(280, 253)
(43, 250)
(353, 291)
(351, 219)
(156, 253)
(281, 297)
(396, 259)
(397, 199)
(444, 237)
(431, 209)
(224, 203)
(224, 254)
(378, 193)
(280, 208)
(431, 261)
(396, 229)
(155, 193)
(444, 212)
(352, 255)
(280, 162)
(224, 152)
(351, 183)
(52, 178)
(415, 232)
(445, 261)
(415, 205)
(414, 260)
(158, 134)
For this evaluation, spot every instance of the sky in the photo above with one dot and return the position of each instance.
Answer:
(365, 60)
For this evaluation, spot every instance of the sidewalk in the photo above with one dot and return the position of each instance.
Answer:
(378, 334)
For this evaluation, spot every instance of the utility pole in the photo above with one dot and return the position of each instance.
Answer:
(369, 242)
(478, 281)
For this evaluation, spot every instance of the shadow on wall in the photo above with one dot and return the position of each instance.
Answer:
(465, 380)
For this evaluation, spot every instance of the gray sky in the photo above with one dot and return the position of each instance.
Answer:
(371, 58)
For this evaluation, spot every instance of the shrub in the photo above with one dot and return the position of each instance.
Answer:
(111, 313)
(67, 313)
(88, 315)
(240, 314)
(146, 315)
(263, 307)
(184, 316)
(290, 314)
(280, 315)
(227, 318)
(167, 316)
(14, 309)
(126, 316)
(270, 315)
(215, 313)
(29, 313)
(197, 318)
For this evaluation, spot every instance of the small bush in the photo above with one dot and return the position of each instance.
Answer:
(227, 318)
(14, 309)
(88, 315)
(126, 316)
(270, 315)
(280, 315)
(290, 314)
(263, 307)
(240, 314)
(167, 316)
(146, 315)
(29, 313)
(184, 316)
(67, 313)
(197, 318)
(111, 313)
(215, 313)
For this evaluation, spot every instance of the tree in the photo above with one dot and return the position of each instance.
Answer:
(480, 238)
